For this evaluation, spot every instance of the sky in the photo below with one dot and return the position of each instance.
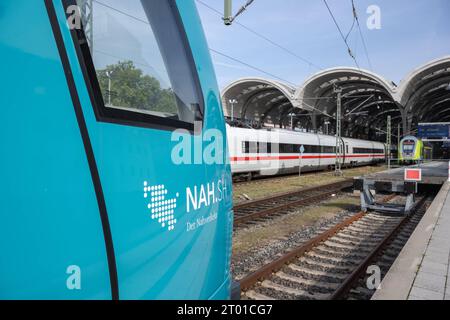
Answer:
(412, 33)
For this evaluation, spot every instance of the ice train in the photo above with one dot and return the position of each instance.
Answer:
(277, 151)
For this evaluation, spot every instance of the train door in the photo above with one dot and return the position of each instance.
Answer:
(327, 157)
(312, 154)
(147, 113)
(345, 152)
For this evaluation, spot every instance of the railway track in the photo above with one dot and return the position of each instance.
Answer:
(255, 211)
(334, 263)
(386, 258)
(263, 179)
(242, 180)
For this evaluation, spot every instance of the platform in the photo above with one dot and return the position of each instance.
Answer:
(421, 272)
(393, 181)
(435, 173)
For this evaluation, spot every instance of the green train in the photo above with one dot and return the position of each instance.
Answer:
(413, 149)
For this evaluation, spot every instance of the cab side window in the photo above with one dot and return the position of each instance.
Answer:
(139, 63)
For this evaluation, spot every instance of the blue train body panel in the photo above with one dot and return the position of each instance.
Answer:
(51, 221)
(49, 213)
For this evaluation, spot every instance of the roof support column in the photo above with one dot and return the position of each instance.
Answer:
(404, 114)
(314, 121)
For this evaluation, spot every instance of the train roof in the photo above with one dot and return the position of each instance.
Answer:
(300, 132)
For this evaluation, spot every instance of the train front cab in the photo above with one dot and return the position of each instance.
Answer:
(92, 204)
(411, 150)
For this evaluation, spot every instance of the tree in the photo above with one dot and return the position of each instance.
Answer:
(131, 88)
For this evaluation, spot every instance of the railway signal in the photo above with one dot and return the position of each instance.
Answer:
(302, 151)
(413, 175)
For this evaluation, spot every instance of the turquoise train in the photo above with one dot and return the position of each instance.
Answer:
(95, 97)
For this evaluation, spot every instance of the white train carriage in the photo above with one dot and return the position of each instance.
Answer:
(277, 151)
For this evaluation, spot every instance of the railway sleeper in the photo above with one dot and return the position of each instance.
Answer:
(312, 287)
(345, 246)
(341, 238)
(370, 224)
(350, 258)
(362, 291)
(372, 230)
(253, 295)
(278, 295)
(318, 275)
(356, 250)
(340, 257)
(387, 258)
(380, 218)
(293, 291)
(306, 262)
(342, 246)
(359, 235)
(391, 253)
(326, 259)
(307, 282)
(368, 231)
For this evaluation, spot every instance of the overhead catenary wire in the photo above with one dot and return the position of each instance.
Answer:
(242, 9)
(350, 52)
(265, 38)
(353, 25)
(355, 12)
(251, 66)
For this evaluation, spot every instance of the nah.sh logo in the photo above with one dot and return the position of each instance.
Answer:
(162, 209)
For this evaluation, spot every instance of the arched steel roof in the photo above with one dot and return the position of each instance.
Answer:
(425, 92)
(366, 97)
(258, 100)
(341, 75)
(367, 100)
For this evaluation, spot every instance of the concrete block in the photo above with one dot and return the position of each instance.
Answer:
(415, 298)
(438, 269)
(424, 294)
(443, 223)
(438, 248)
(442, 236)
(436, 257)
(431, 282)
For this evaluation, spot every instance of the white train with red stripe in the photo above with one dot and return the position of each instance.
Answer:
(278, 151)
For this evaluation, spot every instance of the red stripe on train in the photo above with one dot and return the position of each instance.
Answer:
(247, 159)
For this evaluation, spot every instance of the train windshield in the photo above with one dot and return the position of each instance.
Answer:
(141, 58)
(408, 145)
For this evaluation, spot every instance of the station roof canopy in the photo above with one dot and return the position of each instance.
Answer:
(425, 93)
(367, 100)
(259, 100)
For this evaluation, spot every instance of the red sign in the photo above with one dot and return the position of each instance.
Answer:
(413, 174)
